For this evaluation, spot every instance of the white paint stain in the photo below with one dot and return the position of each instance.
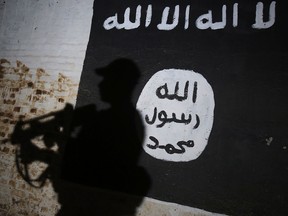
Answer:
(269, 141)
(177, 108)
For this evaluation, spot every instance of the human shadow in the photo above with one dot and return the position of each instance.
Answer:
(91, 156)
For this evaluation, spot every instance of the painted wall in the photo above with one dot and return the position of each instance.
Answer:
(228, 88)
(210, 85)
(43, 45)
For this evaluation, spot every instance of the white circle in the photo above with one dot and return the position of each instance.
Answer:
(177, 110)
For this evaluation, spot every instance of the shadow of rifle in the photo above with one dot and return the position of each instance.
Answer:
(45, 139)
(89, 153)
(41, 139)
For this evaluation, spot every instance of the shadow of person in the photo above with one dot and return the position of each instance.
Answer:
(104, 148)
(91, 156)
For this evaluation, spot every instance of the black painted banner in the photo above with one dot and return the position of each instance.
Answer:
(241, 49)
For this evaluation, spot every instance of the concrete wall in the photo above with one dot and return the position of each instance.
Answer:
(42, 49)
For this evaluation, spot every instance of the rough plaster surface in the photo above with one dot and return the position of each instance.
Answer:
(43, 44)
(42, 49)
(48, 34)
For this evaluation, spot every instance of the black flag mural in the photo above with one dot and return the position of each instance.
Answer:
(190, 102)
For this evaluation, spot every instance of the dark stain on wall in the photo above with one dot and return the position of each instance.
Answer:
(25, 93)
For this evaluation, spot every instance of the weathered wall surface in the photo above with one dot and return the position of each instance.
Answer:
(43, 44)
(42, 50)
